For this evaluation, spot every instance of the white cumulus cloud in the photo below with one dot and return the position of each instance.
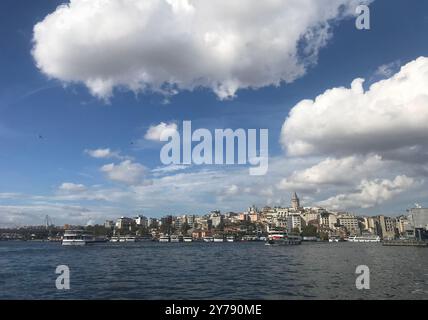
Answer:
(333, 172)
(370, 193)
(389, 117)
(127, 172)
(170, 45)
(154, 132)
(103, 153)
(72, 187)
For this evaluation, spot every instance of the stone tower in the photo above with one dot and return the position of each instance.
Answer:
(295, 202)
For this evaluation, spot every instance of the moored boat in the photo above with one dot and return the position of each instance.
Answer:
(282, 238)
(208, 239)
(230, 239)
(176, 239)
(131, 239)
(114, 239)
(369, 238)
(188, 239)
(165, 238)
(218, 239)
(79, 238)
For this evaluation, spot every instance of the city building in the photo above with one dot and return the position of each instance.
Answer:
(253, 214)
(369, 225)
(216, 220)
(350, 222)
(328, 220)
(418, 217)
(124, 223)
(294, 222)
(141, 221)
(310, 216)
(191, 221)
(109, 224)
(403, 225)
(386, 227)
(199, 234)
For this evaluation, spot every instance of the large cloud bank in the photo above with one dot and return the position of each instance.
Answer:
(390, 118)
(168, 45)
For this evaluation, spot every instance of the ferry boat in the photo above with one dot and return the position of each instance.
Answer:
(164, 238)
(208, 239)
(114, 239)
(188, 239)
(282, 238)
(124, 239)
(78, 238)
(230, 239)
(369, 238)
(335, 239)
(250, 238)
(218, 239)
(131, 239)
(55, 239)
(175, 238)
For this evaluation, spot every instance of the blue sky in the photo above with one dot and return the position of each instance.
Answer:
(71, 120)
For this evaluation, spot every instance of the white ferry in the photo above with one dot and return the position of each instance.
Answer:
(208, 239)
(124, 239)
(77, 238)
(282, 238)
(218, 239)
(369, 238)
(335, 239)
(230, 239)
(131, 239)
(115, 239)
(175, 238)
(164, 238)
(188, 239)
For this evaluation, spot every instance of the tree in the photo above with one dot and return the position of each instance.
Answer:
(323, 236)
(167, 228)
(309, 231)
(184, 228)
(295, 231)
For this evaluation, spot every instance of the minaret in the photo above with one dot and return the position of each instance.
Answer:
(295, 202)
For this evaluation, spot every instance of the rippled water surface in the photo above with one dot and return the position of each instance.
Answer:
(212, 271)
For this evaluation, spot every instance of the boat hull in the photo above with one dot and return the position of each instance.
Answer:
(75, 243)
(283, 242)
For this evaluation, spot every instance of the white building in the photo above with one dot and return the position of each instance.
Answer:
(419, 218)
(142, 221)
(109, 224)
(216, 220)
(328, 220)
(124, 223)
(294, 221)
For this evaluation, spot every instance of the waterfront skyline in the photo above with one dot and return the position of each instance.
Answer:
(84, 151)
